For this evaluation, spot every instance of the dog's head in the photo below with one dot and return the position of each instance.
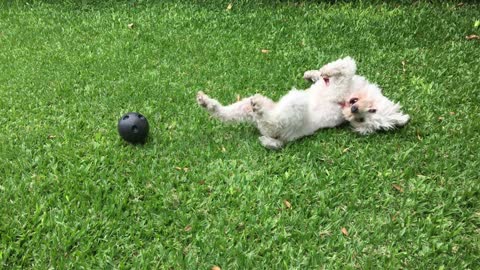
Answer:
(368, 110)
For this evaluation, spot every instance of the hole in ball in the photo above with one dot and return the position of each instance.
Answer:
(134, 129)
(125, 117)
(140, 116)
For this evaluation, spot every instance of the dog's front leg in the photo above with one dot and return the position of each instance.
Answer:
(312, 75)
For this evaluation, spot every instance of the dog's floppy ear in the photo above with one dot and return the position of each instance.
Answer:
(400, 119)
(393, 116)
(397, 117)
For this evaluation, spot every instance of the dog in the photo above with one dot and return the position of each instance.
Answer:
(301, 113)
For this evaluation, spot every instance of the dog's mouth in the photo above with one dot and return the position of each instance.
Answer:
(359, 119)
(326, 80)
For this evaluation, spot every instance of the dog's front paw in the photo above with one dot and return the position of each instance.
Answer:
(342, 67)
(312, 75)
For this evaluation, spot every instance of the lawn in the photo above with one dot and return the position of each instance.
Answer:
(200, 193)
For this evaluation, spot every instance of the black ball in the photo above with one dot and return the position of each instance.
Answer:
(133, 127)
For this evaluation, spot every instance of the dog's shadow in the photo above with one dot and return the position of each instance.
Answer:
(346, 131)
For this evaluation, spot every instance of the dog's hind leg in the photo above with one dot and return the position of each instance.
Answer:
(240, 111)
(261, 105)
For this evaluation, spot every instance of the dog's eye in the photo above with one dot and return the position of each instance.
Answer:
(353, 101)
(372, 110)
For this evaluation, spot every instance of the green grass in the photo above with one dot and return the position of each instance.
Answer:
(201, 193)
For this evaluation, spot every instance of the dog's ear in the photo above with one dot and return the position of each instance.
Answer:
(396, 117)
(400, 119)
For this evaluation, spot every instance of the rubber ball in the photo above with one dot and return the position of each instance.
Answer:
(133, 127)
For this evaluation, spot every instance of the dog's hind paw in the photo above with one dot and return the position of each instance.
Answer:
(206, 102)
(260, 104)
(202, 99)
(271, 143)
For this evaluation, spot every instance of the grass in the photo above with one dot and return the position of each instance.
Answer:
(200, 193)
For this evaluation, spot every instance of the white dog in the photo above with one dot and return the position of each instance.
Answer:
(301, 113)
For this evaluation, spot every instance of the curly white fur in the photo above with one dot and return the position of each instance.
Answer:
(295, 115)
(301, 113)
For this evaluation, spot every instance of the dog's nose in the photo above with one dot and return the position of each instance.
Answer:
(354, 109)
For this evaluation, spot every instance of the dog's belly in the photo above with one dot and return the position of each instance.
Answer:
(326, 115)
